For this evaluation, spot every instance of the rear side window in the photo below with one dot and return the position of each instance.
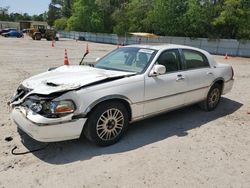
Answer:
(195, 60)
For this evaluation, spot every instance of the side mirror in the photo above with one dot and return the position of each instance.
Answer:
(97, 59)
(158, 70)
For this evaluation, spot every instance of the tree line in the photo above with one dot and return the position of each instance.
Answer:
(189, 18)
(16, 17)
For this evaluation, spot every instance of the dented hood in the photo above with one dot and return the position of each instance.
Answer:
(69, 78)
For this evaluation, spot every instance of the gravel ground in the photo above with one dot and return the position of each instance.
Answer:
(183, 148)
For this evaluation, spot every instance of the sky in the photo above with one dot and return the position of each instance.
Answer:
(26, 6)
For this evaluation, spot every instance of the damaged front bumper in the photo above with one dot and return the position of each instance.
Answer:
(47, 129)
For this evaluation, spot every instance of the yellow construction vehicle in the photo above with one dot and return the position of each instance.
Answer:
(39, 31)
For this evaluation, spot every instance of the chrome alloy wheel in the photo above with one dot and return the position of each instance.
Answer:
(110, 124)
(214, 98)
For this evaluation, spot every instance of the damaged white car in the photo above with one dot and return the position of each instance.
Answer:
(128, 84)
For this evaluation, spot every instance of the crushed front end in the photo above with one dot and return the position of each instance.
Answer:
(44, 117)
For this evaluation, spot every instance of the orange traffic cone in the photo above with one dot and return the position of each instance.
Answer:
(226, 57)
(248, 111)
(66, 60)
(52, 44)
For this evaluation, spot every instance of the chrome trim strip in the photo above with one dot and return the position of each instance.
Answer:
(150, 100)
(162, 112)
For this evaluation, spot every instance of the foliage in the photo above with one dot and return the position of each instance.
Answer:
(168, 16)
(53, 13)
(191, 18)
(61, 24)
(15, 17)
(121, 21)
(195, 20)
(86, 17)
(234, 19)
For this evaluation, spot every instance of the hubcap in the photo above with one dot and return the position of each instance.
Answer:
(214, 98)
(110, 124)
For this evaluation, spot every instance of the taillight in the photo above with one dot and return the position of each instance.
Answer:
(232, 72)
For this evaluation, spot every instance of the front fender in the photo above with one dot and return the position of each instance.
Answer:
(106, 98)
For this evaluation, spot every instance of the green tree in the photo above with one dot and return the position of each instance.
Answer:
(106, 9)
(67, 6)
(137, 13)
(61, 23)
(168, 17)
(4, 16)
(121, 22)
(192, 18)
(230, 19)
(244, 26)
(54, 13)
(86, 17)
(196, 19)
(40, 17)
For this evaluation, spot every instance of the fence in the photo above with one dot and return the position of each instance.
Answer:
(221, 46)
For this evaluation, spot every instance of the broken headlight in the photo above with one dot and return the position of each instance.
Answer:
(51, 109)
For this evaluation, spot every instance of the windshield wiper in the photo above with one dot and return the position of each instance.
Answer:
(108, 68)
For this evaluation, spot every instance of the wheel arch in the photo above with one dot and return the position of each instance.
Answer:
(119, 98)
(219, 81)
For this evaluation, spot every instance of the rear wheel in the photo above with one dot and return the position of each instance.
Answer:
(106, 123)
(213, 98)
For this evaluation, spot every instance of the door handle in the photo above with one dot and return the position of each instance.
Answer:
(180, 77)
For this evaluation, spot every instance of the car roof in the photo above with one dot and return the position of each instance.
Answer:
(164, 46)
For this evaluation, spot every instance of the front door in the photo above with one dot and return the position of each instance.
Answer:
(165, 92)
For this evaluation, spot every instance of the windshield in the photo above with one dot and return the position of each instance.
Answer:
(129, 59)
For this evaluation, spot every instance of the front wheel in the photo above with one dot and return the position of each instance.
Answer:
(38, 36)
(213, 98)
(106, 123)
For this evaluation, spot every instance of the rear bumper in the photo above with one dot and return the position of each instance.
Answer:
(228, 85)
(47, 132)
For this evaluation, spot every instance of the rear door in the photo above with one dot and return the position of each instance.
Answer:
(199, 75)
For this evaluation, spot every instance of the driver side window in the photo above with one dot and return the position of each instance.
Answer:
(171, 60)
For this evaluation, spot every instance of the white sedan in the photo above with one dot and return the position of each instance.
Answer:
(126, 85)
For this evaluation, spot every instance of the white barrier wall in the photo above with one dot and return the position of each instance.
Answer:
(220, 46)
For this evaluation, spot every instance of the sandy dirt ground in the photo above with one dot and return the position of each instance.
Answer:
(184, 148)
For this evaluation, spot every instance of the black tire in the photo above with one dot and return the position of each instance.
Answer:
(105, 132)
(213, 98)
(38, 36)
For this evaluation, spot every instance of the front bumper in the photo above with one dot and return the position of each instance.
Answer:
(45, 129)
(228, 85)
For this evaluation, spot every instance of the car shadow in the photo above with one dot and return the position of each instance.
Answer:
(175, 123)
